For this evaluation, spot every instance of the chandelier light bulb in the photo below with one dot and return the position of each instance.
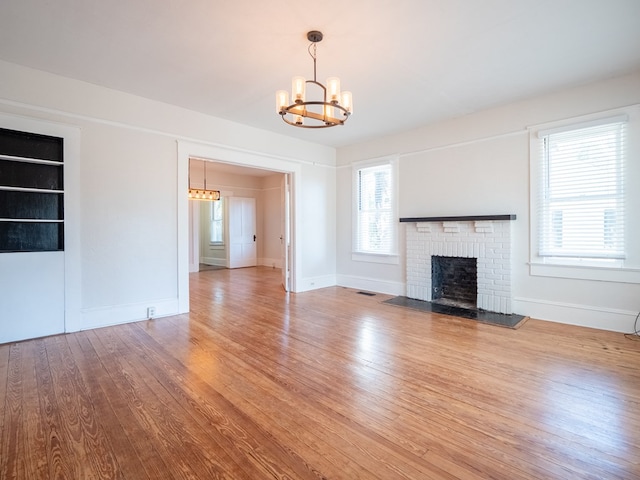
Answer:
(298, 87)
(347, 102)
(333, 90)
(282, 100)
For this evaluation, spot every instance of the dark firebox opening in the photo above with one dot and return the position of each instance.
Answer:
(454, 281)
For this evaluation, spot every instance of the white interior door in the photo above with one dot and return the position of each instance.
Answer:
(285, 232)
(242, 232)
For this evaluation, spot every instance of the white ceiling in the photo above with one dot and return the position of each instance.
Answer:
(407, 62)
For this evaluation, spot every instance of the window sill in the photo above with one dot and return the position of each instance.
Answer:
(585, 272)
(375, 258)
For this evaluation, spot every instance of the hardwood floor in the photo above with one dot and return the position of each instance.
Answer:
(258, 384)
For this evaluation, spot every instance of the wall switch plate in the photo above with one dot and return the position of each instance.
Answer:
(151, 312)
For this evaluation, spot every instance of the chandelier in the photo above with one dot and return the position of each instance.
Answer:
(330, 107)
(202, 193)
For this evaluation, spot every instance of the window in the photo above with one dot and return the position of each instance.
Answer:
(375, 209)
(581, 205)
(217, 222)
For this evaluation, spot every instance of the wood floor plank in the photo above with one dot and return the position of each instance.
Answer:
(128, 439)
(255, 383)
(445, 401)
(12, 458)
(304, 443)
(36, 447)
(217, 420)
(265, 360)
(327, 361)
(61, 456)
(5, 350)
(273, 411)
(93, 452)
(164, 427)
(330, 401)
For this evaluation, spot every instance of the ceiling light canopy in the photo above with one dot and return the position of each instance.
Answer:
(322, 108)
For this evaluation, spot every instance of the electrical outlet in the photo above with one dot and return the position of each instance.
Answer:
(151, 312)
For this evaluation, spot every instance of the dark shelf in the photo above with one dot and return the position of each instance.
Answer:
(468, 218)
(31, 192)
(31, 145)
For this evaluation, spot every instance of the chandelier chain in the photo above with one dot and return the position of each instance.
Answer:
(313, 55)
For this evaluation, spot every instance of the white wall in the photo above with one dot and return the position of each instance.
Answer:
(129, 198)
(479, 164)
(318, 224)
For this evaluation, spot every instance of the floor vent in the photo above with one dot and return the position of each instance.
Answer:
(368, 294)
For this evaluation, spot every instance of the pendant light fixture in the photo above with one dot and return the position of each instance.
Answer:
(202, 194)
(327, 108)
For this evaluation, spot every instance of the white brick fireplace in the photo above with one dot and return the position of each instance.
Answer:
(486, 238)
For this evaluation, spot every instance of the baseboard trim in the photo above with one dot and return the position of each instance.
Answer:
(218, 262)
(314, 283)
(602, 318)
(118, 314)
(270, 262)
(372, 285)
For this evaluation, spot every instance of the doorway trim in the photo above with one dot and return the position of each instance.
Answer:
(234, 156)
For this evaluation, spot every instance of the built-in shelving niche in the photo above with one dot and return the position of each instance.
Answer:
(31, 192)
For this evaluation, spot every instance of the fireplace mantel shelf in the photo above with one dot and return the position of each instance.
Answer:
(469, 218)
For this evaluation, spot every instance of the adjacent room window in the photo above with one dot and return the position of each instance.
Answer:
(376, 219)
(217, 222)
(581, 208)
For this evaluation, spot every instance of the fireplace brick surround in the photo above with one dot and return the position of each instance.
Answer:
(486, 238)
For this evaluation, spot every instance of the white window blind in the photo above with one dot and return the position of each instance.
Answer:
(581, 204)
(375, 205)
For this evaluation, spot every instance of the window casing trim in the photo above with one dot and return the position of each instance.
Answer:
(613, 270)
(391, 257)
